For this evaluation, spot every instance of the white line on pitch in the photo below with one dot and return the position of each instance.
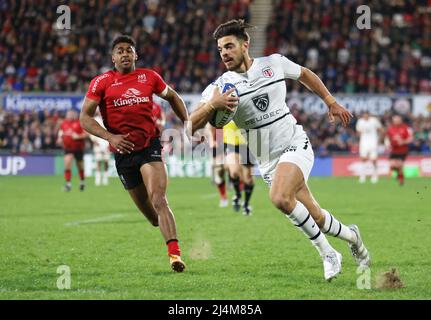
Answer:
(95, 220)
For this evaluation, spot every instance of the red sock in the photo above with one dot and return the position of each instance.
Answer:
(241, 186)
(173, 247)
(81, 175)
(222, 190)
(67, 175)
(401, 175)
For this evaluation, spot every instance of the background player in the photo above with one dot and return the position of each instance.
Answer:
(218, 167)
(369, 129)
(159, 117)
(101, 155)
(260, 83)
(72, 137)
(125, 98)
(400, 136)
(239, 164)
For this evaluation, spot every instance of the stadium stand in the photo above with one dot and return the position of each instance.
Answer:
(174, 38)
(394, 56)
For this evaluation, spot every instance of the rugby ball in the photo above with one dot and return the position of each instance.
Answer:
(223, 117)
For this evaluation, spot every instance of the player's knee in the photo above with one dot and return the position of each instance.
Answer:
(159, 201)
(155, 222)
(234, 174)
(284, 203)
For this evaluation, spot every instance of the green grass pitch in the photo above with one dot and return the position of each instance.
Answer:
(114, 253)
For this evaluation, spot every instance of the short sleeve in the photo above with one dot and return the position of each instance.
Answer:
(159, 86)
(97, 88)
(291, 70)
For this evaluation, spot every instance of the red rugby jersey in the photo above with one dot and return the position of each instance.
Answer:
(126, 103)
(68, 128)
(157, 115)
(399, 132)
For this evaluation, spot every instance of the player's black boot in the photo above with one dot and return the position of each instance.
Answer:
(236, 203)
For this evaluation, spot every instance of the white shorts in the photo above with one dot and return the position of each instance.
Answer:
(368, 150)
(299, 152)
(100, 155)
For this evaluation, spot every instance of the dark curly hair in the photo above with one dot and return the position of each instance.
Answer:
(235, 28)
(123, 38)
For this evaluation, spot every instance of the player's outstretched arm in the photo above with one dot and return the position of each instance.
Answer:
(309, 79)
(89, 124)
(205, 110)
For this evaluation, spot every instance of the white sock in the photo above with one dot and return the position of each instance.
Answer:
(302, 219)
(105, 179)
(375, 171)
(97, 177)
(337, 229)
(362, 175)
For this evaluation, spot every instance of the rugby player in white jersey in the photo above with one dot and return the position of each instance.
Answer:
(263, 115)
(368, 128)
(101, 155)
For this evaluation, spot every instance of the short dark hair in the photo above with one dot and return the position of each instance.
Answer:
(123, 38)
(235, 28)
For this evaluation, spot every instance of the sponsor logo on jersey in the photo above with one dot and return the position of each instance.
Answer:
(132, 96)
(267, 72)
(116, 83)
(131, 93)
(261, 102)
(96, 82)
(265, 116)
(142, 78)
(290, 149)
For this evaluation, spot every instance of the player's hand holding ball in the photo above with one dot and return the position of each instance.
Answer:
(226, 101)
(224, 104)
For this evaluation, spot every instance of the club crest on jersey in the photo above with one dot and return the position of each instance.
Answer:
(267, 72)
(261, 102)
(142, 78)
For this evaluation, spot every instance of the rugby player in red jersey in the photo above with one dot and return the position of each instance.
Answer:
(125, 98)
(159, 116)
(399, 135)
(72, 137)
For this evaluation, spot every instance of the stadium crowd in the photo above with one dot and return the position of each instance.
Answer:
(36, 132)
(393, 56)
(173, 38)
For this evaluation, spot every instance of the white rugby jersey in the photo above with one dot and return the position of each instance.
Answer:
(262, 112)
(100, 144)
(368, 130)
